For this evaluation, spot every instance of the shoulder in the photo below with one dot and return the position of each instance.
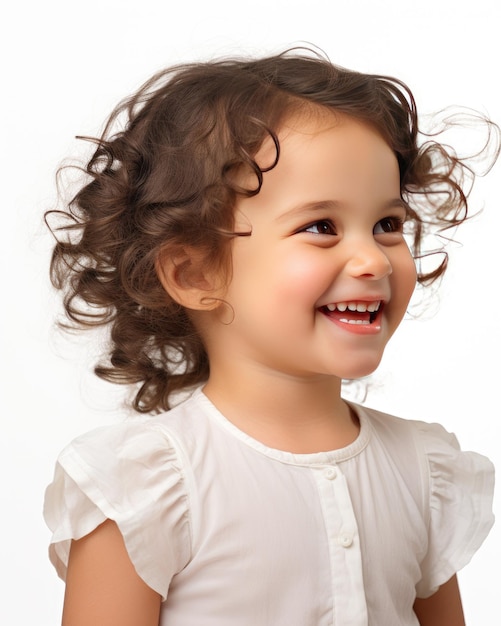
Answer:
(119, 463)
(440, 448)
(136, 473)
(137, 437)
(428, 438)
(437, 450)
(455, 488)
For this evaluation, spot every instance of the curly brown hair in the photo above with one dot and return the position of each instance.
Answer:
(166, 180)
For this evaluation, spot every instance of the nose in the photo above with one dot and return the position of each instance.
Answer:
(368, 260)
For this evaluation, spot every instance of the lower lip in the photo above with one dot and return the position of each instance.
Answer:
(356, 329)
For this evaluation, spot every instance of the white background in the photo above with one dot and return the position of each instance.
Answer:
(64, 66)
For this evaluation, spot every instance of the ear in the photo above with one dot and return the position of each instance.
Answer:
(187, 280)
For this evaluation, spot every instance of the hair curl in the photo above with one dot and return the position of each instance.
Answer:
(167, 179)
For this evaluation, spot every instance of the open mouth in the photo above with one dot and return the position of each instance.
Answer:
(355, 313)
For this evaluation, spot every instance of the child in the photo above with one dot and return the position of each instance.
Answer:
(243, 237)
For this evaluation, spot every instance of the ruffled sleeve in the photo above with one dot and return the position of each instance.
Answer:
(460, 488)
(129, 473)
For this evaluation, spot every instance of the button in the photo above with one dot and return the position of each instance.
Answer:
(346, 541)
(330, 473)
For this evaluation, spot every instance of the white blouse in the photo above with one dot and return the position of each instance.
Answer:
(232, 533)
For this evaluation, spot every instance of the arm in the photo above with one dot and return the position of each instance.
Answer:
(102, 586)
(443, 608)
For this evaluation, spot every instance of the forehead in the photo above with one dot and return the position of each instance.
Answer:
(307, 121)
(318, 145)
(312, 121)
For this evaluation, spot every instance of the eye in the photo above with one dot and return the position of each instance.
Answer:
(322, 227)
(389, 225)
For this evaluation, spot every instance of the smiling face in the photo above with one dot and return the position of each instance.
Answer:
(326, 276)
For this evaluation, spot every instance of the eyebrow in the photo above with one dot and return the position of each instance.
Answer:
(329, 205)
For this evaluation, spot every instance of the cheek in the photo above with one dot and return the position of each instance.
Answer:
(301, 279)
(282, 286)
(404, 278)
(410, 273)
(300, 268)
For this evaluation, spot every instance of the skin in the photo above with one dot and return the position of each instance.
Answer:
(102, 586)
(326, 228)
(442, 608)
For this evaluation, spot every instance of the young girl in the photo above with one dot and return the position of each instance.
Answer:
(242, 235)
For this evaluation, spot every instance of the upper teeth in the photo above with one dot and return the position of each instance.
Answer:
(360, 307)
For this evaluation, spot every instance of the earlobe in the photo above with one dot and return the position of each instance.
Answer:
(186, 281)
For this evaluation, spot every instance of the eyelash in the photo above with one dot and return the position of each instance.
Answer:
(328, 223)
(395, 224)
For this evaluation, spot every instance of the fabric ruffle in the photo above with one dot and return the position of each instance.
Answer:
(128, 473)
(461, 487)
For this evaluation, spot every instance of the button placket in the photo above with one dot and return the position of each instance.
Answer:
(349, 604)
(330, 473)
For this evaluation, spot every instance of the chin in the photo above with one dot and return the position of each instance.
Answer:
(360, 370)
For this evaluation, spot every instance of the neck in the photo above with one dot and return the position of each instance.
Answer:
(295, 414)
